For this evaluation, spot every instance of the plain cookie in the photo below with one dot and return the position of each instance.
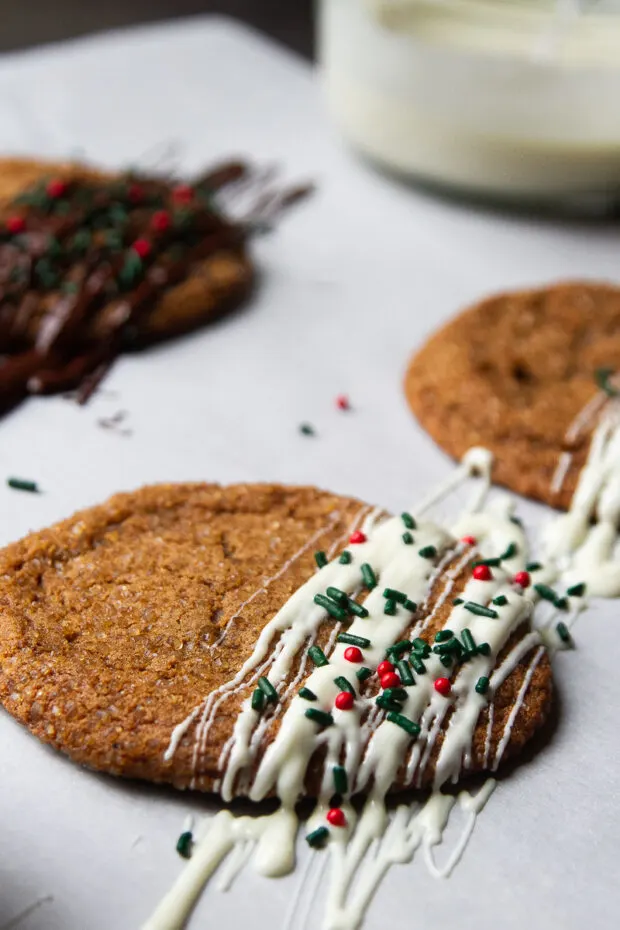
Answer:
(517, 373)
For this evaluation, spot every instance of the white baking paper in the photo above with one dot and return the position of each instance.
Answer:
(351, 282)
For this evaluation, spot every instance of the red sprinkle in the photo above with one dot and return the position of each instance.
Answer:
(357, 537)
(161, 221)
(342, 402)
(469, 540)
(336, 817)
(56, 188)
(15, 224)
(344, 700)
(443, 686)
(135, 193)
(482, 573)
(183, 193)
(523, 579)
(391, 680)
(353, 654)
(143, 247)
(384, 667)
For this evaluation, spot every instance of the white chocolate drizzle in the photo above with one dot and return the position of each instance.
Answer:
(581, 422)
(582, 543)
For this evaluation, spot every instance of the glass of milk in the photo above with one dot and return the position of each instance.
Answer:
(508, 99)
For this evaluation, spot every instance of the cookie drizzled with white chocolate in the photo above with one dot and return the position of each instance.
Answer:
(431, 670)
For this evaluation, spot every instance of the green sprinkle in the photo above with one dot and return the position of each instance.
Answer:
(344, 684)
(602, 376)
(183, 218)
(307, 694)
(393, 595)
(320, 558)
(413, 729)
(306, 430)
(510, 552)
(533, 566)
(516, 521)
(427, 552)
(352, 640)
(404, 670)
(370, 579)
(452, 646)
(500, 600)
(33, 198)
(457, 601)
(358, 609)
(548, 594)
(332, 609)
(443, 636)
(418, 664)
(491, 563)
(390, 608)
(338, 596)
(81, 241)
(345, 557)
(563, 632)
(318, 656)
(385, 704)
(114, 241)
(54, 248)
(480, 610)
(468, 641)
(363, 673)
(577, 590)
(118, 214)
(69, 287)
(184, 844)
(318, 837)
(21, 484)
(44, 271)
(131, 270)
(421, 646)
(395, 694)
(319, 716)
(484, 649)
(62, 208)
(398, 648)
(408, 520)
(268, 690)
(410, 605)
(407, 539)
(258, 699)
(341, 779)
(482, 685)
(446, 660)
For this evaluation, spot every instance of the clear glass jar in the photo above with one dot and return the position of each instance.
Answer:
(512, 99)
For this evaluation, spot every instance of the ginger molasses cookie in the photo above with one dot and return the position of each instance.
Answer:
(528, 375)
(260, 640)
(94, 264)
